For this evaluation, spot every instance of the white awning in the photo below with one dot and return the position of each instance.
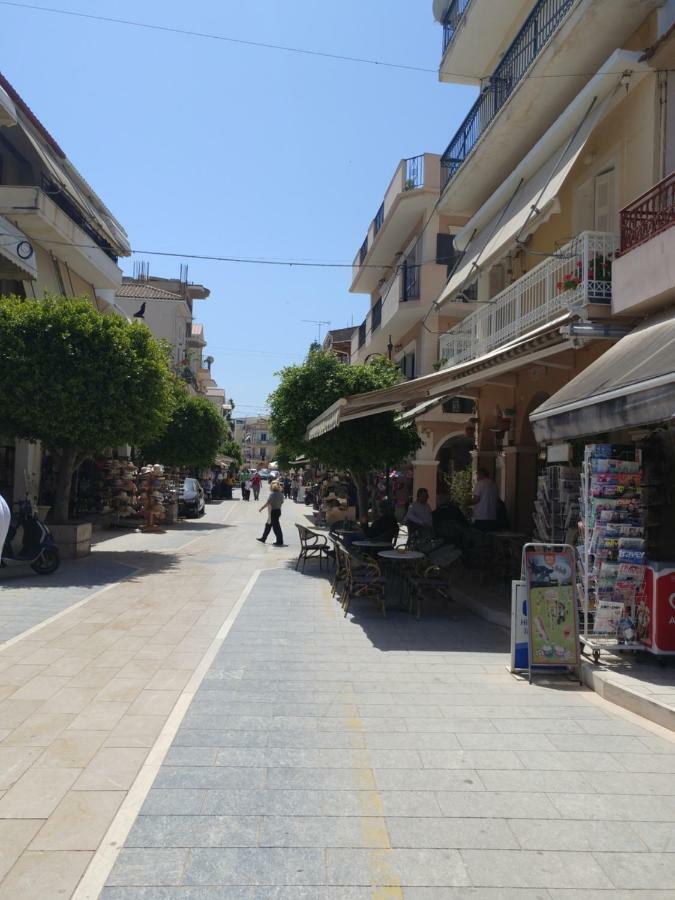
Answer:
(631, 385)
(529, 197)
(528, 348)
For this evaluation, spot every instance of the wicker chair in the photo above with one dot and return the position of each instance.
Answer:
(312, 546)
(363, 578)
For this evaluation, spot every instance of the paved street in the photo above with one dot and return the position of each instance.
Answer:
(299, 755)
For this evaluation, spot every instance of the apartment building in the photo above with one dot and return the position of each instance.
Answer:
(57, 237)
(258, 445)
(571, 123)
(401, 266)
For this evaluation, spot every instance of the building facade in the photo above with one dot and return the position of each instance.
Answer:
(258, 445)
(58, 237)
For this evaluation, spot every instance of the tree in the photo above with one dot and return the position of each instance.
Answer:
(307, 390)
(193, 436)
(78, 381)
(230, 448)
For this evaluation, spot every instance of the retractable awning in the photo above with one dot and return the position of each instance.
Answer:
(529, 197)
(631, 385)
(17, 256)
(536, 344)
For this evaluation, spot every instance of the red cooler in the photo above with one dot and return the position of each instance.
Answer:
(660, 602)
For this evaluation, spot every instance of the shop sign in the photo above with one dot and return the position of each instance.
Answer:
(553, 638)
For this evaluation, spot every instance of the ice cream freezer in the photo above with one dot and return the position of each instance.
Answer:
(656, 612)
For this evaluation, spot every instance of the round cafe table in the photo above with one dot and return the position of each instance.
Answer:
(396, 588)
(372, 545)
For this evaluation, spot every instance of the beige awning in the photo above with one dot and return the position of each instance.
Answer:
(631, 385)
(17, 256)
(536, 344)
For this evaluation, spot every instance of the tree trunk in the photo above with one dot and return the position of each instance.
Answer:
(361, 482)
(67, 459)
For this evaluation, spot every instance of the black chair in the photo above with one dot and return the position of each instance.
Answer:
(312, 546)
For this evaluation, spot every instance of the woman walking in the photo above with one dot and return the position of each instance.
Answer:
(274, 504)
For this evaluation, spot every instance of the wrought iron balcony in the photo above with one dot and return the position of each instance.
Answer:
(414, 173)
(376, 315)
(580, 273)
(539, 27)
(410, 282)
(379, 218)
(363, 252)
(649, 215)
(362, 333)
(452, 19)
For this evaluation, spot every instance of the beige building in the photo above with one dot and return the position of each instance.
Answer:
(57, 237)
(571, 124)
(258, 445)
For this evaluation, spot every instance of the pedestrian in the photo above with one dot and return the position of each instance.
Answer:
(5, 519)
(243, 475)
(256, 482)
(247, 488)
(484, 502)
(295, 487)
(419, 517)
(287, 487)
(273, 506)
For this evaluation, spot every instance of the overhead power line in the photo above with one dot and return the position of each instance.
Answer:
(186, 32)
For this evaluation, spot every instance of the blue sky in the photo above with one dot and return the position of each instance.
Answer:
(207, 147)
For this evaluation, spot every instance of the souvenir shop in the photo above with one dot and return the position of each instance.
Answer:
(610, 490)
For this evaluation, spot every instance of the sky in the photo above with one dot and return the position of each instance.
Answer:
(206, 147)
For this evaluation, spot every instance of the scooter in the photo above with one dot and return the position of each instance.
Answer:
(37, 550)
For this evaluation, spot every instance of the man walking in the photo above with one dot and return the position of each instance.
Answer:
(274, 503)
(256, 481)
(484, 500)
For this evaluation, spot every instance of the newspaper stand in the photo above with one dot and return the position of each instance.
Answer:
(549, 572)
(611, 550)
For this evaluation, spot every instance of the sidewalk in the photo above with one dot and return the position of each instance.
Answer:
(217, 720)
(84, 698)
(326, 758)
(636, 681)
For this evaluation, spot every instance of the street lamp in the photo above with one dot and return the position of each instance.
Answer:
(390, 348)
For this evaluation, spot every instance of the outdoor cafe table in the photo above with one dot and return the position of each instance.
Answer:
(371, 546)
(395, 583)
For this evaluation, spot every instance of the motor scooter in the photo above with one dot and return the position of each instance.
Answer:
(37, 549)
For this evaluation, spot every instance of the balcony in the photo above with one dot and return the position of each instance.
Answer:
(42, 220)
(539, 27)
(412, 192)
(376, 315)
(549, 61)
(644, 273)
(474, 34)
(577, 277)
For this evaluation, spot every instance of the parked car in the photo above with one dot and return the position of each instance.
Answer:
(273, 473)
(191, 498)
(264, 473)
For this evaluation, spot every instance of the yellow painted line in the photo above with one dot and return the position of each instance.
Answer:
(384, 878)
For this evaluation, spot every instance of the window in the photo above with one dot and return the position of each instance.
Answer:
(605, 203)
(407, 365)
(263, 437)
(262, 453)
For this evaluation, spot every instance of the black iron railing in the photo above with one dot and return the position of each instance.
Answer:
(410, 282)
(414, 173)
(379, 218)
(539, 27)
(363, 252)
(376, 315)
(451, 20)
(362, 333)
(649, 215)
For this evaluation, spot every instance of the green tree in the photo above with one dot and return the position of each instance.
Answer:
(230, 448)
(78, 381)
(193, 436)
(307, 390)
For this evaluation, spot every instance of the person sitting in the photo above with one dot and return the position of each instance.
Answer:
(384, 526)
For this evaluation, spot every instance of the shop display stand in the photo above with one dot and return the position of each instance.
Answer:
(556, 509)
(152, 486)
(611, 551)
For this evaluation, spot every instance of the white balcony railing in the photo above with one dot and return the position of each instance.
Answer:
(577, 275)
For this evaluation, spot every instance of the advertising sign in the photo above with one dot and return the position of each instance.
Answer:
(658, 615)
(552, 606)
(519, 626)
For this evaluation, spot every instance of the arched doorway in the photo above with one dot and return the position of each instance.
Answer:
(454, 455)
